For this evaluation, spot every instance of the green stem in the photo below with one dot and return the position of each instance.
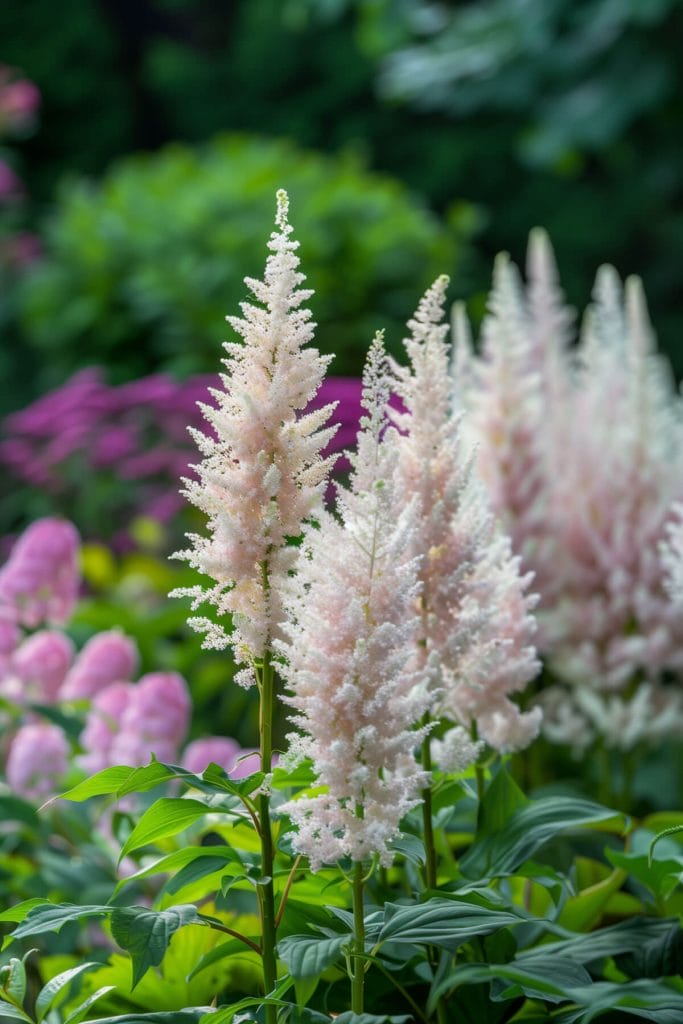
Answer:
(265, 889)
(478, 768)
(358, 959)
(427, 822)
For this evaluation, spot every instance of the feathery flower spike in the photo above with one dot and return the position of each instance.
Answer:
(262, 475)
(351, 629)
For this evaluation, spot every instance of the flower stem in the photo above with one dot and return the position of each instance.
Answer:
(478, 767)
(265, 889)
(358, 960)
(428, 826)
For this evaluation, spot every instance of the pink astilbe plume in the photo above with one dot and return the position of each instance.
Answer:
(263, 476)
(38, 759)
(39, 582)
(351, 631)
(671, 553)
(108, 657)
(582, 451)
(102, 725)
(476, 622)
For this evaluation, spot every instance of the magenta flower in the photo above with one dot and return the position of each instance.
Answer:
(37, 761)
(40, 580)
(107, 658)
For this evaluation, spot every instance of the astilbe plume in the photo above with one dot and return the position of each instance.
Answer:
(476, 623)
(348, 661)
(263, 475)
(106, 658)
(671, 554)
(37, 668)
(598, 432)
(38, 757)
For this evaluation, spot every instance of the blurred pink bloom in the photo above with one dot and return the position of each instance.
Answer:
(11, 186)
(221, 750)
(39, 665)
(38, 758)
(10, 637)
(102, 724)
(154, 721)
(41, 577)
(19, 100)
(108, 657)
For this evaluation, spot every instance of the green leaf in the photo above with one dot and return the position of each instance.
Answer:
(119, 781)
(9, 1010)
(410, 847)
(55, 985)
(501, 800)
(656, 956)
(180, 859)
(218, 777)
(230, 948)
(145, 934)
(583, 911)
(447, 923)
(13, 808)
(49, 917)
(550, 977)
(166, 817)
(625, 937)
(660, 876)
(191, 1015)
(77, 1015)
(649, 1000)
(307, 956)
(14, 985)
(370, 1018)
(21, 910)
(674, 830)
(527, 829)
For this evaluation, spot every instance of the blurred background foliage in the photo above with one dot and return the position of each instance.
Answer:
(492, 116)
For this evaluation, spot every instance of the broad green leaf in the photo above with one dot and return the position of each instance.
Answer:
(14, 981)
(300, 777)
(21, 910)
(13, 1012)
(502, 798)
(192, 1015)
(370, 1018)
(527, 829)
(625, 937)
(166, 817)
(179, 859)
(230, 948)
(649, 1000)
(583, 911)
(145, 934)
(55, 985)
(307, 956)
(49, 917)
(119, 781)
(657, 956)
(219, 778)
(550, 977)
(77, 1015)
(410, 847)
(441, 922)
(660, 876)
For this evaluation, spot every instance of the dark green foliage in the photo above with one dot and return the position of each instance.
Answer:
(140, 271)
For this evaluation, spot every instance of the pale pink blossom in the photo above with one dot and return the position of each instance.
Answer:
(38, 668)
(154, 721)
(263, 475)
(40, 580)
(106, 658)
(350, 636)
(238, 761)
(476, 621)
(10, 637)
(671, 552)
(103, 723)
(37, 761)
(582, 450)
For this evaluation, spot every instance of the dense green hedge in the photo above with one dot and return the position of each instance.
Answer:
(141, 269)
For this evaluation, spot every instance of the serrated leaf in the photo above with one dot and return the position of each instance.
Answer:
(77, 1015)
(446, 923)
(307, 956)
(145, 934)
(55, 985)
(527, 829)
(166, 817)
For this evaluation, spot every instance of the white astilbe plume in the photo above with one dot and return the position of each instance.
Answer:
(475, 613)
(671, 552)
(352, 627)
(262, 475)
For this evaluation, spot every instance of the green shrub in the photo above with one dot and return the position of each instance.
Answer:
(141, 269)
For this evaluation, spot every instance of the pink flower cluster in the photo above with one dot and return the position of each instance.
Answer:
(581, 450)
